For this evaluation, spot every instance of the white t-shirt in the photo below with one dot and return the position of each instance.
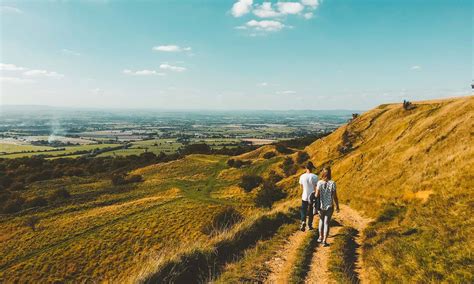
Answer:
(308, 181)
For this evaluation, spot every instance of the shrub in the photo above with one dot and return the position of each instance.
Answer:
(37, 201)
(302, 157)
(13, 205)
(238, 163)
(283, 149)
(269, 155)
(32, 222)
(268, 194)
(288, 166)
(17, 186)
(223, 220)
(60, 194)
(230, 162)
(250, 182)
(274, 177)
(134, 178)
(118, 179)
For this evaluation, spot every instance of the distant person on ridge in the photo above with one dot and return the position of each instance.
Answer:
(308, 182)
(326, 191)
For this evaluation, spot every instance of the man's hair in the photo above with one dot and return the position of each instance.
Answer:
(310, 166)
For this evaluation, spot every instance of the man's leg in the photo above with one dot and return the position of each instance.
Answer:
(304, 210)
(310, 216)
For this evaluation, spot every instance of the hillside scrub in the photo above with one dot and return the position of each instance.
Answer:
(224, 220)
(249, 182)
(200, 264)
(288, 166)
(268, 194)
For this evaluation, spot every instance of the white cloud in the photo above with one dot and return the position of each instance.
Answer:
(308, 16)
(266, 11)
(142, 72)
(287, 92)
(9, 9)
(166, 66)
(97, 91)
(15, 80)
(415, 67)
(241, 7)
(171, 48)
(311, 3)
(269, 26)
(290, 7)
(43, 73)
(70, 52)
(263, 84)
(10, 67)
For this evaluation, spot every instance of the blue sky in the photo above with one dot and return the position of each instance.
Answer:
(308, 54)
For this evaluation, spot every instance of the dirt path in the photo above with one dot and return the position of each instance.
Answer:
(280, 266)
(318, 272)
(351, 217)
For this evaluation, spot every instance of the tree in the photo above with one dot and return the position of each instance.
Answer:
(269, 155)
(60, 194)
(268, 194)
(288, 166)
(250, 182)
(302, 157)
(283, 149)
(32, 222)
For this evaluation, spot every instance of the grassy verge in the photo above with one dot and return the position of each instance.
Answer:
(341, 263)
(207, 261)
(252, 267)
(304, 256)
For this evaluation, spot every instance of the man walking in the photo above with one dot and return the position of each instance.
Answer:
(308, 182)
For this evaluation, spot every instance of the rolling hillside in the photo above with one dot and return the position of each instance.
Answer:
(412, 170)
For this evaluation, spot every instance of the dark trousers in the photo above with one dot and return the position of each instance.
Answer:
(307, 210)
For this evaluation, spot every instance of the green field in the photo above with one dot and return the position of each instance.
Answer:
(68, 150)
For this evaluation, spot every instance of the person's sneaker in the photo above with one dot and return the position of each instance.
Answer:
(310, 228)
(319, 240)
(303, 226)
(325, 244)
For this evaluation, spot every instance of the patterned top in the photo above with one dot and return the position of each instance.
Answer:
(326, 193)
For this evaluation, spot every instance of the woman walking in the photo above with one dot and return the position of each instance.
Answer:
(326, 191)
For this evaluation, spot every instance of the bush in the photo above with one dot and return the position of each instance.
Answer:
(250, 182)
(37, 201)
(283, 149)
(274, 177)
(223, 220)
(268, 194)
(230, 162)
(32, 222)
(134, 178)
(269, 155)
(13, 205)
(302, 157)
(118, 179)
(17, 186)
(60, 194)
(288, 166)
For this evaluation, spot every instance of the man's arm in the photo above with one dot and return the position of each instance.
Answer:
(336, 200)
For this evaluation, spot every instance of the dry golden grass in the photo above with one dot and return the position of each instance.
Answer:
(422, 161)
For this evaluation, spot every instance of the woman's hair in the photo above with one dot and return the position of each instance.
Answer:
(326, 174)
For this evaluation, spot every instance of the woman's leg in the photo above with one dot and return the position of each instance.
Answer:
(327, 221)
(321, 224)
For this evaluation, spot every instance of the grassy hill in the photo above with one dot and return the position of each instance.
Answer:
(412, 170)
